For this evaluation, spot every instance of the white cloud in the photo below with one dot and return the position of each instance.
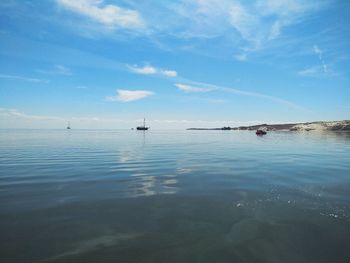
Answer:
(129, 95)
(169, 73)
(143, 70)
(106, 14)
(149, 70)
(189, 88)
(16, 77)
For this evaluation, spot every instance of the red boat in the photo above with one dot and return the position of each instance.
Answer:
(260, 132)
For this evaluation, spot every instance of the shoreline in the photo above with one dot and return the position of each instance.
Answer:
(306, 126)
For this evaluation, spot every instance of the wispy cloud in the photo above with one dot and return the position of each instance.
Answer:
(311, 71)
(189, 88)
(16, 77)
(129, 95)
(284, 102)
(252, 24)
(57, 70)
(149, 70)
(108, 15)
(318, 70)
(210, 87)
(319, 52)
(264, 20)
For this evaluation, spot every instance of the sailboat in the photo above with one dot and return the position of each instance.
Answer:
(68, 126)
(142, 128)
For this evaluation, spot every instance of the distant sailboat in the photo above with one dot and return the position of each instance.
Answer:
(142, 128)
(68, 126)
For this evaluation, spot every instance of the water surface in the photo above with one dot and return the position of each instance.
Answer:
(174, 196)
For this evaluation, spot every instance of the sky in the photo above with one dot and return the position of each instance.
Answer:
(107, 64)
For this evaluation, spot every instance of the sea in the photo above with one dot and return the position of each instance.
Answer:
(174, 196)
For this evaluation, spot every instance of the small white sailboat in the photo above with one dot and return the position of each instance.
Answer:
(68, 126)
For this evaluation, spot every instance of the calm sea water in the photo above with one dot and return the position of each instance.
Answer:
(174, 196)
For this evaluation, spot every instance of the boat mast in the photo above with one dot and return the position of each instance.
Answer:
(144, 122)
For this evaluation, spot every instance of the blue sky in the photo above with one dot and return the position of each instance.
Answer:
(184, 63)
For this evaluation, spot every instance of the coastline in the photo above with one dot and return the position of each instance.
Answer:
(306, 126)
